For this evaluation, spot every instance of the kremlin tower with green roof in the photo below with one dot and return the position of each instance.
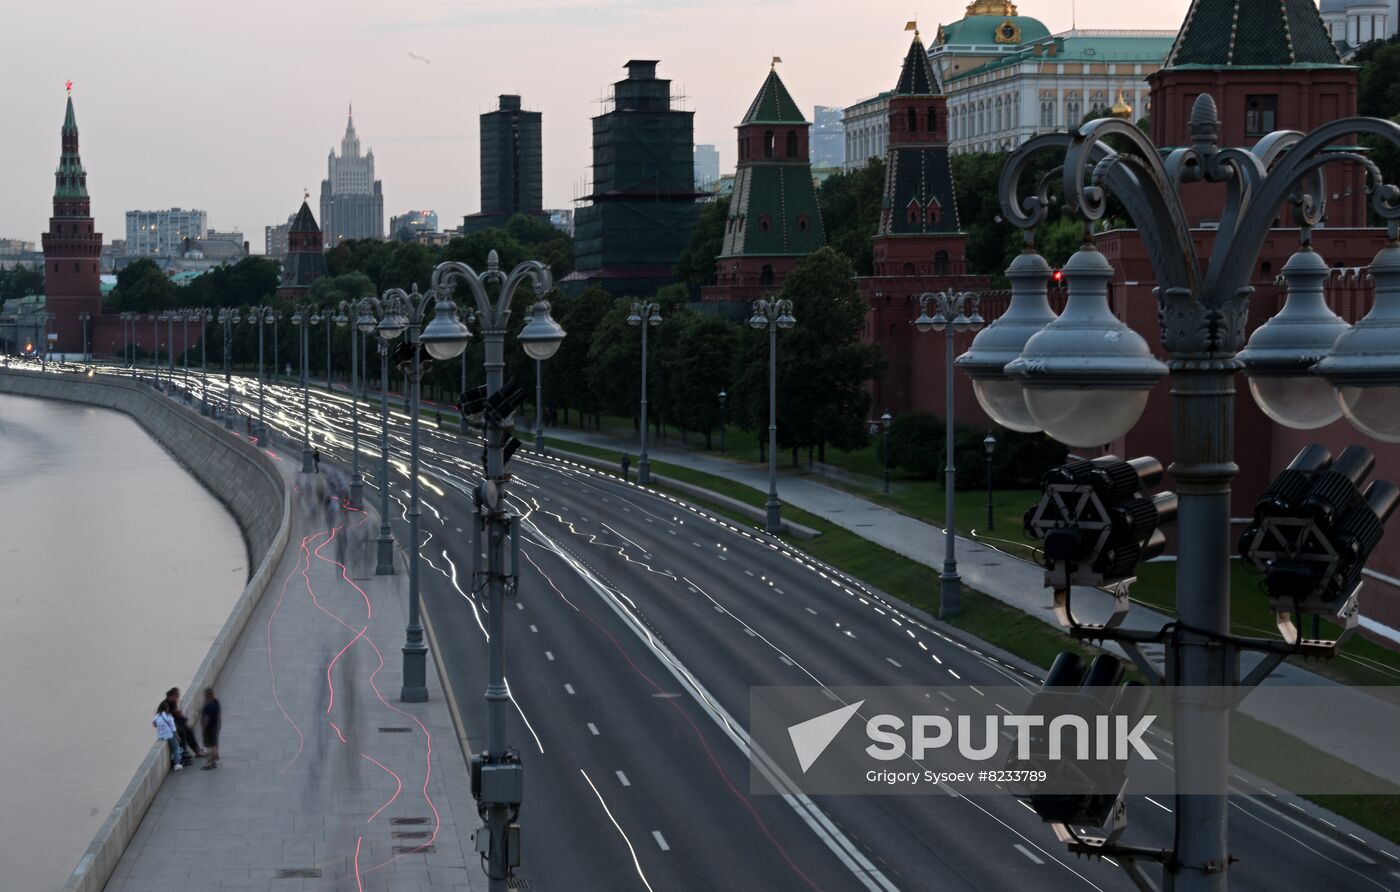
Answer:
(773, 219)
(72, 247)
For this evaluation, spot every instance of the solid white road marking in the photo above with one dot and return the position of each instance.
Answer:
(635, 863)
(660, 840)
(810, 610)
(1027, 852)
(534, 629)
(1158, 804)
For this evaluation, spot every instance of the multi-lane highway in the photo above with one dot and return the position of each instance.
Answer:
(639, 628)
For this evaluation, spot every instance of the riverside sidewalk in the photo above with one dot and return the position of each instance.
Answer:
(327, 781)
(1341, 729)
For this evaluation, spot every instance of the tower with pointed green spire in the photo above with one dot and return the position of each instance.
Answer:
(773, 217)
(306, 258)
(919, 232)
(72, 246)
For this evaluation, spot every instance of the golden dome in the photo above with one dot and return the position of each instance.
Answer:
(990, 7)
(1121, 108)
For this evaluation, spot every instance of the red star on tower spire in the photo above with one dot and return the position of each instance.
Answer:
(69, 85)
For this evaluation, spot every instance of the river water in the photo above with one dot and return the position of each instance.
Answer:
(117, 569)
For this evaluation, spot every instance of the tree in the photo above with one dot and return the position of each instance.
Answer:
(615, 362)
(824, 369)
(143, 287)
(20, 282)
(991, 244)
(696, 266)
(567, 373)
(1378, 96)
(702, 368)
(850, 207)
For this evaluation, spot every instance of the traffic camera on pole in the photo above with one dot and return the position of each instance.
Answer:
(1082, 799)
(1098, 520)
(1312, 531)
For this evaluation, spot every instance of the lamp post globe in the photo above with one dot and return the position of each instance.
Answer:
(1363, 365)
(541, 336)
(1001, 342)
(446, 336)
(1086, 376)
(1281, 353)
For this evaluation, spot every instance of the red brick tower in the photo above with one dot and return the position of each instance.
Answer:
(72, 249)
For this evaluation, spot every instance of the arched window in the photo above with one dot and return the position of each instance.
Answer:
(912, 212)
(802, 222)
(935, 210)
(909, 269)
(792, 144)
(765, 222)
(932, 119)
(765, 275)
(911, 120)
(941, 266)
(768, 142)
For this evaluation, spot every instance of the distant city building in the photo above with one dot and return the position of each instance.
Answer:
(866, 130)
(773, 219)
(160, 233)
(233, 235)
(643, 202)
(17, 252)
(828, 137)
(561, 218)
(412, 222)
(306, 258)
(352, 200)
(72, 247)
(706, 167)
(275, 238)
(512, 171)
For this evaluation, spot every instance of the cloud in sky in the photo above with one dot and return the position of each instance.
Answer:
(233, 108)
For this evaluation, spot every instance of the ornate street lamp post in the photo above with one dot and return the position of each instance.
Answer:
(1084, 379)
(204, 317)
(304, 318)
(540, 338)
(347, 314)
(444, 338)
(228, 317)
(989, 443)
(261, 317)
(383, 320)
(723, 397)
(885, 421)
(644, 315)
(85, 318)
(772, 315)
(156, 318)
(952, 318)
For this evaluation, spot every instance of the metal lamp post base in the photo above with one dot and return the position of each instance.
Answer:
(384, 563)
(307, 465)
(204, 409)
(357, 490)
(644, 471)
(950, 593)
(774, 522)
(415, 673)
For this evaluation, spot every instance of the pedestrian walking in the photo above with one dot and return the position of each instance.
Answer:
(210, 717)
(165, 730)
(183, 731)
(316, 458)
(626, 463)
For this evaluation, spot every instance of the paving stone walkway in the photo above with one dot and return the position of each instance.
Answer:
(327, 781)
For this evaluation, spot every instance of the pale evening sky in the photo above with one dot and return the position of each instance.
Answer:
(231, 107)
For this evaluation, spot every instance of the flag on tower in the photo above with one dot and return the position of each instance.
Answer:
(911, 26)
(776, 60)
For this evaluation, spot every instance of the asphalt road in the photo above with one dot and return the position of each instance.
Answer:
(639, 628)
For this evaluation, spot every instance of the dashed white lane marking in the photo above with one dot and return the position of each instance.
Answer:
(622, 779)
(778, 590)
(593, 729)
(893, 662)
(1158, 804)
(534, 629)
(947, 696)
(975, 691)
(718, 609)
(519, 606)
(786, 661)
(1004, 709)
(954, 674)
(936, 660)
(549, 655)
(660, 840)
(721, 557)
(750, 632)
(569, 689)
(810, 610)
(1028, 853)
(748, 573)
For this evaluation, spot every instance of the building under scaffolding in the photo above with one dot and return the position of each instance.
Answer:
(643, 201)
